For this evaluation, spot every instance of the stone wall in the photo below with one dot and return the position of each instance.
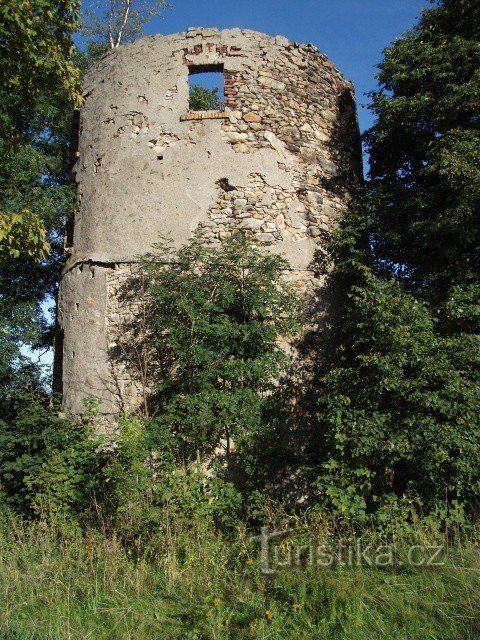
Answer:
(280, 163)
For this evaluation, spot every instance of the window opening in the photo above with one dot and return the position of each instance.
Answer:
(206, 88)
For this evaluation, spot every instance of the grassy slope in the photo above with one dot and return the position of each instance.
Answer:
(195, 586)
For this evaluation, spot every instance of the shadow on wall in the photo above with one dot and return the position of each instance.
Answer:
(348, 176)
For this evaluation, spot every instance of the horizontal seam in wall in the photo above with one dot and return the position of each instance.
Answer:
(109, 263)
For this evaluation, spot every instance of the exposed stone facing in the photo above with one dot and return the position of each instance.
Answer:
(268, 213)
(280, 164)
(298, 99)
(294, 103)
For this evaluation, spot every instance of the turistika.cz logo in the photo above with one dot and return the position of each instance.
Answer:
(341, 553)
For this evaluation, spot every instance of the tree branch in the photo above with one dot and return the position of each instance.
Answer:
(110, 24)
(128, 4)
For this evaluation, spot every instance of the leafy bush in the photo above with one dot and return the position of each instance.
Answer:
(216, 315)
(141, 489)
(47, 462)
(59, 470)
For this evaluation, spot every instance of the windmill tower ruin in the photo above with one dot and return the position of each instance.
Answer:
(280, 160)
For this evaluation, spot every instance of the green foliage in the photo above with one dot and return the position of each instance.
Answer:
(35, 45)
(22, 232)
(58, 470)
(43, 466)
(424, 152)
(124, 483)
(399, 401)
(216, 315)
(202, 99)
(140, 490)
(18, 374)
(36, 193)
(399, 395)
(39, 83)
(189, 494)
(47, 463)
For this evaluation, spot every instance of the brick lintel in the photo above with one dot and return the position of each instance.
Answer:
(205, 115)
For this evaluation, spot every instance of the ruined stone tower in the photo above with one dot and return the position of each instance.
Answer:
(280, 161)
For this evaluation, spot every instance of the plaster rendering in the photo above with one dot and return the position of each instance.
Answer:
(280, 163)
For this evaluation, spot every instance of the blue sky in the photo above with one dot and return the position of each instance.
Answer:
(353, 33)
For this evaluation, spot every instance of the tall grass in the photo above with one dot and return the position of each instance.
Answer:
(191, 582)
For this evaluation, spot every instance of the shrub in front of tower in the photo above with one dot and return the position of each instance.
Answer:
(217, 314)
(48, 463)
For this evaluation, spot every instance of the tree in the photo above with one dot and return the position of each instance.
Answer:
(36, 43)
(217, 314)
(39, 85)
(116, 22)
(202, 99)
(37, 196)
(400, 402)
(35, 46)
(425, 152)
(399, 399)
(22, 232)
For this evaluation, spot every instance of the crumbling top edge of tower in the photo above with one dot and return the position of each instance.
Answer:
(214, 32)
